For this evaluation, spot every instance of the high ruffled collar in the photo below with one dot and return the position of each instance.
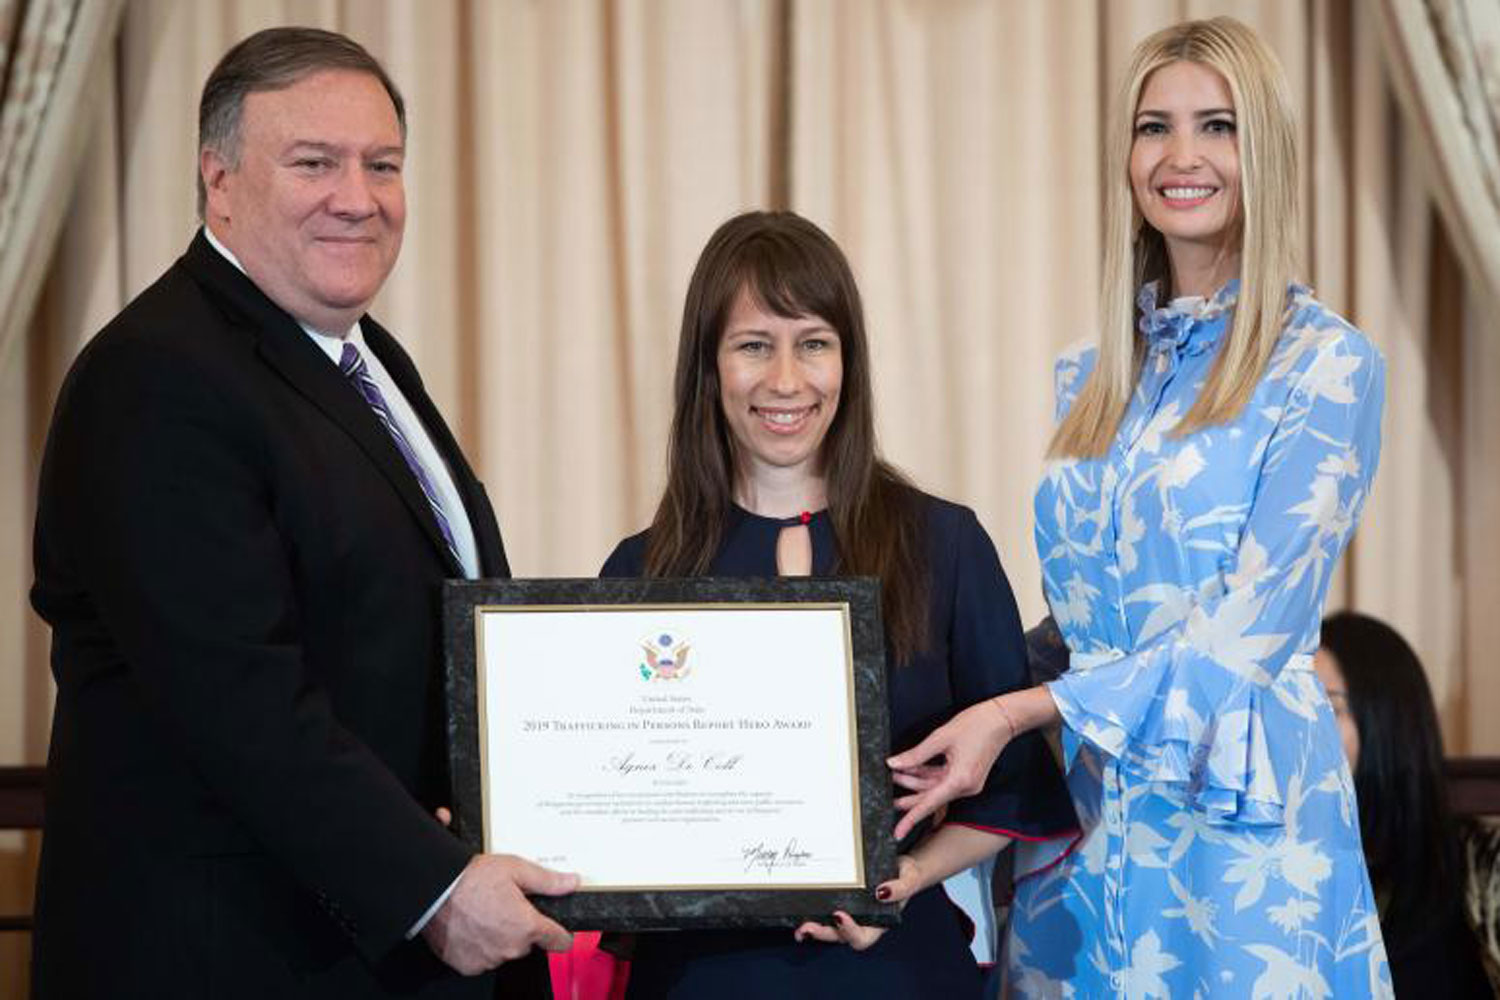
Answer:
(1188, 326)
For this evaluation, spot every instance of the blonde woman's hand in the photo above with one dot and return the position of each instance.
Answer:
(968, 745)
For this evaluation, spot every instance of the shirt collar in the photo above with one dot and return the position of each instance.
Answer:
(332, 344)
(1189, 326)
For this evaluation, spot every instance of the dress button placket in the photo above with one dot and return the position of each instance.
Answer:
(1161, 372)
(1114, 865)
(1123, 457)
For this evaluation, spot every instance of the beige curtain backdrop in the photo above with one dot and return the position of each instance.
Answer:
(1444, 57)
(568, 160)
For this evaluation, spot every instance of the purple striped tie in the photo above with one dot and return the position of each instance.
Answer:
(352, 364)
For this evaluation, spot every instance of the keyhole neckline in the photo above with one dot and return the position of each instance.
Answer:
(807, 517)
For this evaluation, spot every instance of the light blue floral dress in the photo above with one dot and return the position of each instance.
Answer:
(1220, 853)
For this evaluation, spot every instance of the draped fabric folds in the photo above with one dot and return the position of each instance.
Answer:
(1445, 63)
(33, 39)
(48, 52)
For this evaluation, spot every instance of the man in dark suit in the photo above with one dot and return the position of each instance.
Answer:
(248, 505)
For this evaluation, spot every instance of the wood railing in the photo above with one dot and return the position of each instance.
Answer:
(20, 809)
(1474, 785)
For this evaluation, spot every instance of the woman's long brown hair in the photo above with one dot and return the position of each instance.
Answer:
(793, 269)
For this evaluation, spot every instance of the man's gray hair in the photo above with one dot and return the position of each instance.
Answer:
(274, 59)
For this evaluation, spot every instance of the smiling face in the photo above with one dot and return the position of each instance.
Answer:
(1185, 159)
(779, 382)
(315, 207)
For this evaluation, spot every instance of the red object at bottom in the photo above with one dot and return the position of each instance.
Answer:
(586, 973)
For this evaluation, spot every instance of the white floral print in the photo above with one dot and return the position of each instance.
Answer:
(1220, 852)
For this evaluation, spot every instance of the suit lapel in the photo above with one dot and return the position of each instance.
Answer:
(492, 561)
(287, 349)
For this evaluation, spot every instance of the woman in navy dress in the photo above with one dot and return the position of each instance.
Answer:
(773, 470)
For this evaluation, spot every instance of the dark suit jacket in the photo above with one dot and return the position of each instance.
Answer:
(242, 578)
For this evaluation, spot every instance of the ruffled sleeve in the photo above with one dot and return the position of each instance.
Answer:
(1025, 796)
(1199, 706)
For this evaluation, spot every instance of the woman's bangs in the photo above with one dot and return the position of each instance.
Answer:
(789, 283)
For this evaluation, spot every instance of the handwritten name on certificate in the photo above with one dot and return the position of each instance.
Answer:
(672, 747)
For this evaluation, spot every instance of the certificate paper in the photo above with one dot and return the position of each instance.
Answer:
(633, 750)
(693, 749)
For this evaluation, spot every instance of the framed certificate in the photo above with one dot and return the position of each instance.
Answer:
(702, 752)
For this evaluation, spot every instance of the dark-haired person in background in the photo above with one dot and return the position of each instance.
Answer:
(773, 470)
(248, 506)
(1412, 846)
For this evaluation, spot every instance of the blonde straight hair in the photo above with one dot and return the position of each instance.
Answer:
(1135, 252)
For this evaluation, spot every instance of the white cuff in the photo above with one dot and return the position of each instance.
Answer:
(437, 904)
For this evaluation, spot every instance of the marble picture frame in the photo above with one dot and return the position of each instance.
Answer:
(617, 910)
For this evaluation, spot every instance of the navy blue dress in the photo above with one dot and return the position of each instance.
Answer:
(975, 650)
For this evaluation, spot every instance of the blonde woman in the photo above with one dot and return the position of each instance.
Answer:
(1215, 449)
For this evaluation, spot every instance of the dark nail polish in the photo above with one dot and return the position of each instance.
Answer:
(882, 893)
